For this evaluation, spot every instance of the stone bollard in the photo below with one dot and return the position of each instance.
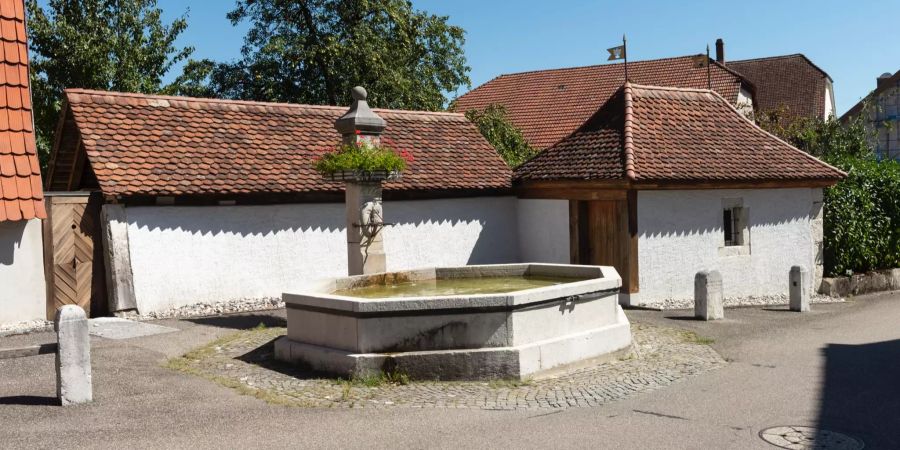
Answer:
(799, 289)
(708, 296)
(73, 358)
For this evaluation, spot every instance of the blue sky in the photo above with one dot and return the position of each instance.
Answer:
(854, 41)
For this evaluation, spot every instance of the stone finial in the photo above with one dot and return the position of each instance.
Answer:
(359, 118)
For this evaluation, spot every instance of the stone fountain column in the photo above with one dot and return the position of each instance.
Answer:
(365, 246)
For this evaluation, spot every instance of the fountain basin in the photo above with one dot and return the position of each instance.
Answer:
(480, 322)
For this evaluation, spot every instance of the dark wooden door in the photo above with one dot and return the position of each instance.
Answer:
(604, 234)
(73, 253)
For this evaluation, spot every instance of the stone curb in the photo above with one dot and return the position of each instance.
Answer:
(865, 283)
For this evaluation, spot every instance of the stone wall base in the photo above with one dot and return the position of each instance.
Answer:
(877, 281)
(463, 364)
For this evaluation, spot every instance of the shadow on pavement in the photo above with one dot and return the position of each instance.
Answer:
(861, 392)
(29, 400)
(690, 318)
(241, 321)
(264, 356)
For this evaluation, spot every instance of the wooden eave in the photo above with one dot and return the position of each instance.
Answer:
(615, 189)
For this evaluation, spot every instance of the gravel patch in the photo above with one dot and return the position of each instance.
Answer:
(764, 300)
(209, 309)
(29, 326)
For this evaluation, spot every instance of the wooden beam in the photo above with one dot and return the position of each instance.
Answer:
(571, 193)
(573, 232)
(57, 138)
(615, 189)
(31, 350)
(633, 284)
(77, 167)
(49, 274)
(771, 184)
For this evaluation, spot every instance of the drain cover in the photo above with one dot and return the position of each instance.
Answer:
(802, 438)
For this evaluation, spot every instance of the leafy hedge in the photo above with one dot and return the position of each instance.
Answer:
(862, 217)
(862, 212)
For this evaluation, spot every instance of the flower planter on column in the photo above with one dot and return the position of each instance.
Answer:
(363, 165)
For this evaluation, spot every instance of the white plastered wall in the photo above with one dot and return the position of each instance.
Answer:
(185, 255)
(680, 233)
(744, 102)
(23, 290)
(543, 230)
(829, 99)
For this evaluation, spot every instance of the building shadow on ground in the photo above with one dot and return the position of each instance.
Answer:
(861, 392)
(242, 321)
(29, 400)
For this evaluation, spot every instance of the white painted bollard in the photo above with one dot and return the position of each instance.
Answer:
(799, 289)
(708, 301)
(73, 358)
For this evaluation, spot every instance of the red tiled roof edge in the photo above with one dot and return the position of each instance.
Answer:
(151, 145)
(21, 192)
(628, 137)
(792, 55)
(840, 173)
(74, 95)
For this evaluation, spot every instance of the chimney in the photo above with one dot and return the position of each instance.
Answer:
(720, 50)
(882, 80)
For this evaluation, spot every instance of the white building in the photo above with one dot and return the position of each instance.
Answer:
(22, 288)
(213, 200)
(665, 182)
(882, 115)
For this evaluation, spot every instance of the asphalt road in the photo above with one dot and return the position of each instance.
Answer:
(837, 367)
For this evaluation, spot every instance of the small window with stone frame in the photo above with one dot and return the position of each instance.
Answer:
(731, 226)
(734, 223)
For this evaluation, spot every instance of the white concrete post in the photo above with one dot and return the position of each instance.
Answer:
(799, 289)
(708, 298)
(73, 358)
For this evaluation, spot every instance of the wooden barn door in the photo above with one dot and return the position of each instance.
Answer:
(73, 253)
(604, 232)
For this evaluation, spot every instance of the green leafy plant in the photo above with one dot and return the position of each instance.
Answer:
(862, 217)
(862, 212)
(362, 157)
(500, 132)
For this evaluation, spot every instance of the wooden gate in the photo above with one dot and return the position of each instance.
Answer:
(73, 258)
(604, 232)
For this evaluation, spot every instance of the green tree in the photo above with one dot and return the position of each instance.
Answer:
(315, 51)
(497, 129)
(120, 45)
(822, 138)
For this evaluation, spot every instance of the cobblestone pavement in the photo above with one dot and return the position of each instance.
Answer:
(659, 357)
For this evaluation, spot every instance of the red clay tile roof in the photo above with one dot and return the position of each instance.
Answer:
(657, 134)
(790, 81)
(21, 196)
(548, 105)
(157, 145)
